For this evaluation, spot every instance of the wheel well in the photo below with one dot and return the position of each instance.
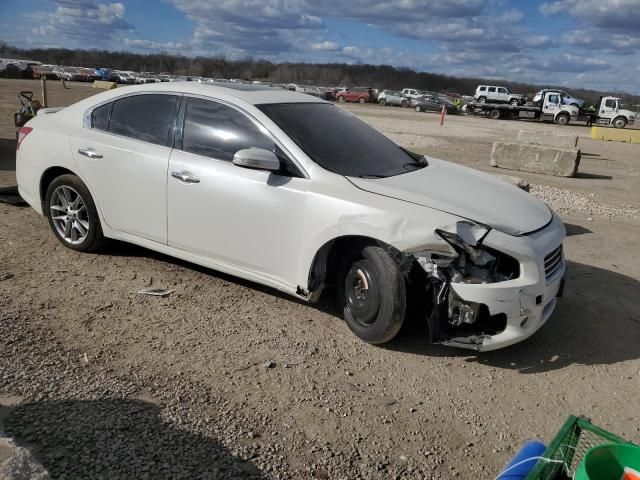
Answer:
(329, 259)
(47, 177)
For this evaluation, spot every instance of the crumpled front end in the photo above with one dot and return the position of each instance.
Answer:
(490, 289)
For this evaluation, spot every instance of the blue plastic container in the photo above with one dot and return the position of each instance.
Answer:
(530, 450)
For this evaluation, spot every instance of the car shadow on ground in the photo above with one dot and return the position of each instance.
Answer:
(596, 322)
(117, 438)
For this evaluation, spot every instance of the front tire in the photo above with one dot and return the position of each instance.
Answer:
(515, 102)
(482, 100)
(619, 122)
(382, 102)
(562, 119)
(340, 99)
(418, 108)
(361, 100)
(373, 296)
(72, 214)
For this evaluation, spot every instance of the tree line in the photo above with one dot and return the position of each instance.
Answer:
(328, 74)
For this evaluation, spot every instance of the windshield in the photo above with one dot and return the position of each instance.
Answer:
(340, 142)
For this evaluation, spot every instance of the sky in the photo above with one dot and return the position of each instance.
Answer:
(573, 43)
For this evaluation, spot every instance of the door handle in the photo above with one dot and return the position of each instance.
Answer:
(185, 177)
(89, 152)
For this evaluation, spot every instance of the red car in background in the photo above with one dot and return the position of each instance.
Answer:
(356, 94)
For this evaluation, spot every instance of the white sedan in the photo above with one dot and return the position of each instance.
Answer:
(296, 193)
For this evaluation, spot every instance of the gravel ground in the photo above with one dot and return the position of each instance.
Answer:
(228, 379)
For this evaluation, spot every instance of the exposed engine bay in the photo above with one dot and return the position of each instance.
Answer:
(452, 320)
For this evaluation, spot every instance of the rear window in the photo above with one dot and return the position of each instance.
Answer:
(149, 118)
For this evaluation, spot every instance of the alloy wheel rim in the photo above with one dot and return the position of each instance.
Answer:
(69, 215)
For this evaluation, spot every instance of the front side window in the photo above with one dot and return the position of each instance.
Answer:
(149, 118)
(502, 90)
(100, 117)
(218, 131)
(345, 144)
(554, 99)
(610, 103)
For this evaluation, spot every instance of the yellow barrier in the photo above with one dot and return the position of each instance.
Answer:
(615, 134)
(104, 85)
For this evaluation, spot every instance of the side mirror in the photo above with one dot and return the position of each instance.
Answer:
(257, 158)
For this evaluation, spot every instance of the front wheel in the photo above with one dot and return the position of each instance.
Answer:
(418, 108)
(619, 122)
(404, 104)
(482, 100)
(382, 102)
(340, 99)
(72, 215)
(373, 296)
(515, 102)
(562, 120)
(361, 100)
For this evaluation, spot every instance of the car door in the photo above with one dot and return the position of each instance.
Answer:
(491, 94)
(122, 153)
(502, 94)
(551, 104)
(245, 219)
(608, 108)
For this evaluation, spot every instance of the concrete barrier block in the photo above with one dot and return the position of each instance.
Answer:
(548, 139)
(525, 157)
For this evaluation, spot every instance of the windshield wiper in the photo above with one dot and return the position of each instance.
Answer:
(372, 176)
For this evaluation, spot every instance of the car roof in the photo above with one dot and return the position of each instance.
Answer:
(251, 93)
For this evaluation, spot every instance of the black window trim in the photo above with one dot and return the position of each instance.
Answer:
(180, 130)
(172, 135)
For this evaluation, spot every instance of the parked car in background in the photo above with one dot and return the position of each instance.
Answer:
(71, 74)
(339, 206)
(326, 93)
(88, 75)
(121, 77)
(498, 94)
(391, 97)
(356, 94)
(412, 93)
(145, 77)
(308, 89)
(431, 103)
(565, 97)
(45, 71)
(103, 73)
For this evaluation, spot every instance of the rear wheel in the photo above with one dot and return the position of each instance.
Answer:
(562, 119)
(373, 295)
(72, 215)
(619, 122)
(495, 114)
(482, 100)
(404, 103)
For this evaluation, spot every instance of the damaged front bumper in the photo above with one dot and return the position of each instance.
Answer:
(488, 315)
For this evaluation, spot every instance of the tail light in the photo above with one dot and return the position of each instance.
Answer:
(22, 134)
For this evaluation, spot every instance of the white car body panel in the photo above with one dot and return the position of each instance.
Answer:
(269, 228)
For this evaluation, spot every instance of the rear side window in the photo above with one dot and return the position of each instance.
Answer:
(482, 89)
(215, 130)
(100, 117)
(149, 118)
(492, 89)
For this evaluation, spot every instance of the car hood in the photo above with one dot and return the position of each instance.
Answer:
(466, 193)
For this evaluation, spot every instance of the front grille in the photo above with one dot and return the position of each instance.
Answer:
(552, 263)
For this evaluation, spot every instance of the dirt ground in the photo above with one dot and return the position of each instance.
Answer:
(246, 382)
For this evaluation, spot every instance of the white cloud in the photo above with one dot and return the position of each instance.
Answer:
(325, 46)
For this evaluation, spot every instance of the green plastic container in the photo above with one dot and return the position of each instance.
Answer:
(607, 462)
